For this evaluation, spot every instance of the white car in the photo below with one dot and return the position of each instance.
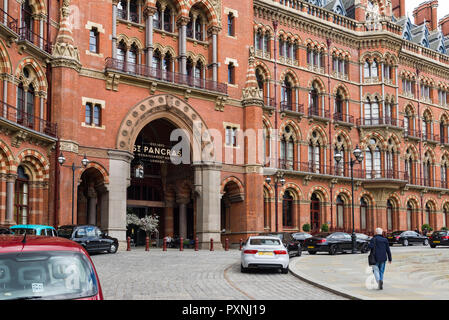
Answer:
(264, 252)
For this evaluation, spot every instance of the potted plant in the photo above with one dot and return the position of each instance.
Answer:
(325, 227)
(306, 227)
(426, 229)
(444, 229)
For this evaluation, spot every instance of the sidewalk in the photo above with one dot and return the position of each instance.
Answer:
(417, 273)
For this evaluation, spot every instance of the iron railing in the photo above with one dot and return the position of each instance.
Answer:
(168, 76)
(290, 106)
(8, 21)
(28, 120)
(26, 34)
(341, 117)
(380, 122)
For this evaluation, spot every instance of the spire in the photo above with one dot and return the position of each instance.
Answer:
(252, 95)
(65, 52)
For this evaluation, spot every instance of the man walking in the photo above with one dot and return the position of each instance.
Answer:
(382, 250)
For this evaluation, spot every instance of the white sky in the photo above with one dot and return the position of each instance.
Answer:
(443, 7)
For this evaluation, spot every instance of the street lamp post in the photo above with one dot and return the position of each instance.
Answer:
(84, 162)
(278, 181)
(358, 158)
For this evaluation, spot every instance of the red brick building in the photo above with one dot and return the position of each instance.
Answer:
(260, 88)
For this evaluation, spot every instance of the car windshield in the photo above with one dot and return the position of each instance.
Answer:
(396, 233)
(264, 242)
(65, 232)
(46, 275)
(439, 233)
(24, 230)
(277, 235)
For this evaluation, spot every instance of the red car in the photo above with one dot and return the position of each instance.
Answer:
(47, 268)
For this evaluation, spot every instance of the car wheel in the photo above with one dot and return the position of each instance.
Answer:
(433, 246)
(113, 248)
(365, 248)
(311, 252)
(284, 270)
(426, 242)
(333, 249)
(405, 242)
(299, 252)
(242, 269)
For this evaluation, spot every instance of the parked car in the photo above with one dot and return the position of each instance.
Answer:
(90, 237)
(264, 252)
(5, 231)
(407, 238)
(47, 268)
(293, 246)
(363, 236)
(334, 243)
(301, 236)
(34, 229)
(439, 238)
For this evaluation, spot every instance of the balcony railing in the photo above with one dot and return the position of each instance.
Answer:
(430, 137)
(8, 21)
(25, 34)
(294, 107)
(341, 117)
(167, 76)
(27, 120)
(314, 112)
(385, 121)
(409, 133)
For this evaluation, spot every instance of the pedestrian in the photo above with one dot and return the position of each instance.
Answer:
(382, 252)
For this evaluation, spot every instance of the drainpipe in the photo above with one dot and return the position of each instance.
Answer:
(329, 42)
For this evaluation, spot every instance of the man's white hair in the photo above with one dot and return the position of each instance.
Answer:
(379, 231)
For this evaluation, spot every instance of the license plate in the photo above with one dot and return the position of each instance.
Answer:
(311, 247)
(390, 237)
(265, 253)
(436, 242)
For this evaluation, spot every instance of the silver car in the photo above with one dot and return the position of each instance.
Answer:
(264, 252)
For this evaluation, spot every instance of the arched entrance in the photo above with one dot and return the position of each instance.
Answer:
(158, 186)
(199, 189)
(315, 210)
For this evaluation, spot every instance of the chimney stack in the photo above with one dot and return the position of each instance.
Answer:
(427, 12)
(444, 25)
(398, 8)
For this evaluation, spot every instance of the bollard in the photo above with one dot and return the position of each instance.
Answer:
(164, 246)
(226, 244)
(181, 244)
(241, 244)
(128, 244)
(196, 244)
(147, 243)
(211, 244)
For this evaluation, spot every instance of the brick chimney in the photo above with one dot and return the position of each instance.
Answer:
(427, 12)
(444, 25)
(398, 8)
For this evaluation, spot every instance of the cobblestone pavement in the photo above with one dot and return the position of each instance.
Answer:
(190, 275)
(417, 273)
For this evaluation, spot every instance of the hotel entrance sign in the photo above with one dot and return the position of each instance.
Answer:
(156, 152)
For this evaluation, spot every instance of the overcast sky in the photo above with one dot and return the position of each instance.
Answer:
(443, 7)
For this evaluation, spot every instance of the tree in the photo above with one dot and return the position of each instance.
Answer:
(306, 227)
(148, 224)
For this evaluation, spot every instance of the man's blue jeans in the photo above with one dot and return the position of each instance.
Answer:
(378, 270)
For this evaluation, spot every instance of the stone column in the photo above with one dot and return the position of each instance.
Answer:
(149, 13)
(214, 32)
(5, 8)
(10, 183)
(183, 217)
(114, 29)
(91, 205)
(182, 26)
(119, 181)
(207, 190)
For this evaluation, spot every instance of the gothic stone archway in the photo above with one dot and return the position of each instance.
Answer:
(206, 171)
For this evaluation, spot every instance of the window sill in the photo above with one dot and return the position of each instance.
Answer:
(83, 124)
(93, 54)
(130, 23)
(165, 33)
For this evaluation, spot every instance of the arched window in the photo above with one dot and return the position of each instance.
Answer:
(156, 63)
(168, 20)
(27, 21)
(340, 213)
(339, 106)
(287, 209)
(231, 24)
(363, 214)
(390, 160)
(258, 40)
(287, 149)
(314, 100)
(132, 58)
(367, 69)
(389, 215)
(189, 67)
(287, 94)
(410, 167)
(409, 216)
(445, 216)
(427, 170)
(121, 54)
(315, 212)
(372, 111)
(409, 122)
(315, 154)
(21, 196)
(444, 172)
(133, 11)
(373, 161)
(427, 213)
(157, 17)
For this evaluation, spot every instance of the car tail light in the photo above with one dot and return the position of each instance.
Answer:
(280, 252)
(250, 251)
(397, 238)
(445, 238)
(321, 241)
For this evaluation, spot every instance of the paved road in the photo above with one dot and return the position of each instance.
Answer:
(191, 275)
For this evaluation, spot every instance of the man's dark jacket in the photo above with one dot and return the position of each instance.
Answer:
(382, 248)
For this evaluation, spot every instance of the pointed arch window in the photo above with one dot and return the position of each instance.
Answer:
(444, 173)
(340, 213)
(373, 161)
(427, 171)
(287, 94)
(427, 214)
(372, 113)
(287, 209)
(389, 215)
(314, 100)
(21, 196)
(363, 213)
(409, 216)
(287, 149)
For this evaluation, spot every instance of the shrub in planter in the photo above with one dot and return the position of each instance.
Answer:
(306, 227)
(325, 228)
